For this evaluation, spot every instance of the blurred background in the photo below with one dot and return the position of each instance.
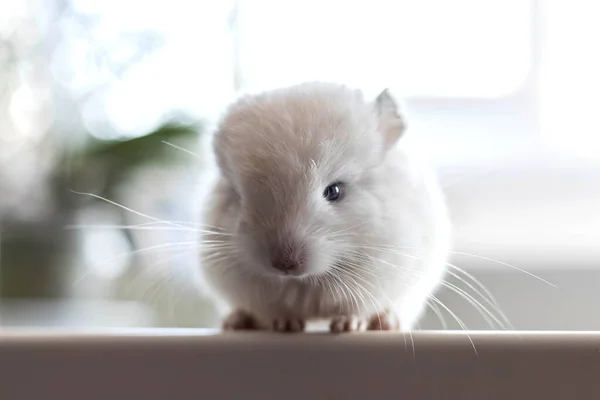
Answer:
(113, 99)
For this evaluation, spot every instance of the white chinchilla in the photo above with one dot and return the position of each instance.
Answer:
(320, 210)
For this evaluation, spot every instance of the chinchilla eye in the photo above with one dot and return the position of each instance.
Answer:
(333, 192)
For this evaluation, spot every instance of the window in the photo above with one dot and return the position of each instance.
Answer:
(427, 48)
(503, 93)
(569, 78)
(457, 65)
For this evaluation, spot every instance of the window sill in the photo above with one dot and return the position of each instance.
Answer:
(159, 364)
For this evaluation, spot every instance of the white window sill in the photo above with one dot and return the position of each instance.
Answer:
(188, 364)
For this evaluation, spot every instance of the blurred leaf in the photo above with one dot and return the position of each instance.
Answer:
(149, 148)
(102, 165)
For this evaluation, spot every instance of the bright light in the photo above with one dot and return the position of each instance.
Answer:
(191, 71)
(570, 78)
(438, 48)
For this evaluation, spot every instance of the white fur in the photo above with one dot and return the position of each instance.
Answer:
(276, 152)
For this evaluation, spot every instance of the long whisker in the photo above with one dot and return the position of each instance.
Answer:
(150, 248)
(376, 307)
(458, 320)
(338, 286)
(383, 309)
(436, 310)
(151, 223)
(361, 255)
(343, 231)
(181, 148)
(489, 294)
(327, 279)
(358, 288)
(125, 208)
(353, 298)
(489, 299)
(480, 307)
(485, 313)
(391, 247)
(505, 264)
(148, 228)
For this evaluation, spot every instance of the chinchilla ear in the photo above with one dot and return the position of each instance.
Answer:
(391, 122)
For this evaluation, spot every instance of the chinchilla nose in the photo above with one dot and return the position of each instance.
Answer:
(286, 265)
(289, 259)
